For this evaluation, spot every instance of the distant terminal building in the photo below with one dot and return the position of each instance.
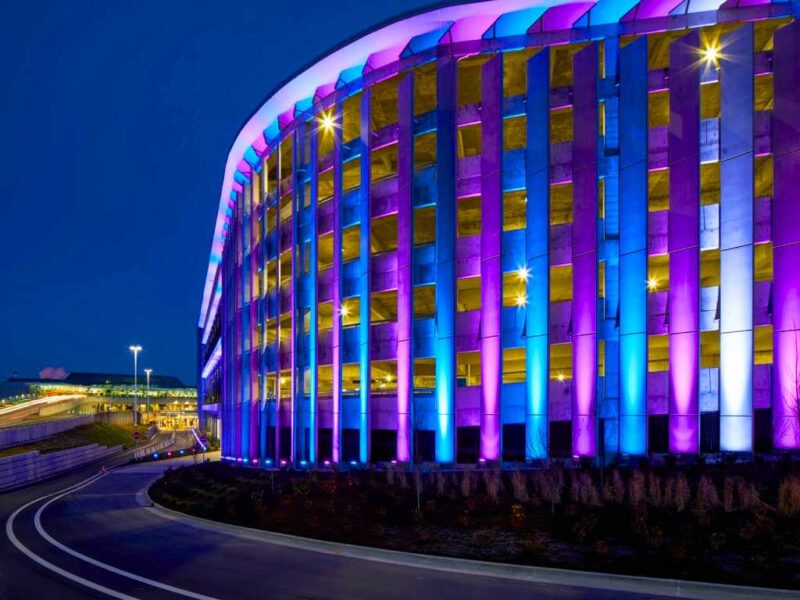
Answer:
(168, 402)
(515, 230)
(103, 384)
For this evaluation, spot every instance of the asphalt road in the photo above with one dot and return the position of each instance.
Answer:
(150, 556)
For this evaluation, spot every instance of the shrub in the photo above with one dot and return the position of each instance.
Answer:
(707, 497)
(482, 539)
(535, 542)
(441, 484)
(601, 548)
(654, 537)
(466, 484)
(520, 486)
(728, 487)
(636, 488)
(584, 527)
(402, 479)
(549, 485)
(789, 496)
(682, 492)
(614, 488)
(517, 516)
(655, 489)
(717, 540)
(494, 484)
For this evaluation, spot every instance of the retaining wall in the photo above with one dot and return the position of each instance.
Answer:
(24, 434)
(24, 469)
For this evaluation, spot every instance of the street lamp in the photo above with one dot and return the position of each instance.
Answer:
(135, 350)
(147, 372)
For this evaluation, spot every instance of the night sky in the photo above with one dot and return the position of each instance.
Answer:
(115, 122)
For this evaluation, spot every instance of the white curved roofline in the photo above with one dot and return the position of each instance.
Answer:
(398, 33)
(326, 70)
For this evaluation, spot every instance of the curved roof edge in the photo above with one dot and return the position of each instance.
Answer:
(465, 20)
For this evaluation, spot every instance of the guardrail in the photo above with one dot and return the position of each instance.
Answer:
(154, 446)
(33, 432)
(23, 469)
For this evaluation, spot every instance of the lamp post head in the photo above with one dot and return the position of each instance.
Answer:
(135, 349)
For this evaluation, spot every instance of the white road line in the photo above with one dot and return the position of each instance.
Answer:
(50, 566)
(78, 579)
(38, 523)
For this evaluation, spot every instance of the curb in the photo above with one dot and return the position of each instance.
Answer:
(676, 588)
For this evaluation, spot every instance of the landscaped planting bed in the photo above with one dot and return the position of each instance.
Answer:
(730, 523)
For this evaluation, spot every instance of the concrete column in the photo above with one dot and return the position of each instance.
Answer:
(405, 245)
(445, 258)
(491, 312)
(683, 158)
(786, 237)
(736, 241)
(537, 235)
(364, 288)
(633, 248)
(584, 252)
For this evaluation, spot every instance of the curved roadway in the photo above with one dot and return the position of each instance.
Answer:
(92, 538)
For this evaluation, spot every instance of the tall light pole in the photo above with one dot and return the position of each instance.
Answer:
(147, 372)
(135, 350)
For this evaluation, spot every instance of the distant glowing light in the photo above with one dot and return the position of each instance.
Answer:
(523, 273)
(652, 284)
(353, 463)
(326, 462)
(327, 121)
(389, 378)
(344, 310)
(521, 300)
(560, 377)
(283, 380)
(283, 463)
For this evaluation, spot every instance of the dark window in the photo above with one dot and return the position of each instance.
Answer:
(271, 442)
(658, 434)
(762, 425)
(286, 443)
(425, 445)
(514, 442)
(325, 444)
(468, 443)
(350, 444)
(384, 445)
(709, 432)
(561, 439)
(601, 438)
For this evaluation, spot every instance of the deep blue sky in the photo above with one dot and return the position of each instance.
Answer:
(115, 121)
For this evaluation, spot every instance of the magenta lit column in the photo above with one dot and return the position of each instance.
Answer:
(786, 237)
(491, 247)
(336, 344)
(255, 349)
(584, 252)
(684, 243)
(405, 240)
